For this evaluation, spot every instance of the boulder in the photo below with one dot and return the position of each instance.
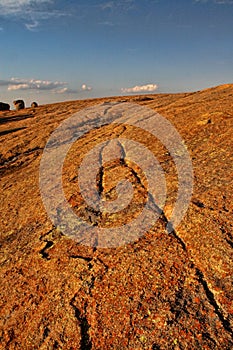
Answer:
(19, 104)
(4, 106)
(34, 104)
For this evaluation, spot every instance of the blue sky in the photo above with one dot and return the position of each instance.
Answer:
(55, 50)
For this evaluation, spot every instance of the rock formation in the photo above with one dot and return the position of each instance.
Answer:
(34, 104)
(163, 290)
(4, 106)
(19, 104)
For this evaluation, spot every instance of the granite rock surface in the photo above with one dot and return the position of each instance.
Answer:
(162, 290)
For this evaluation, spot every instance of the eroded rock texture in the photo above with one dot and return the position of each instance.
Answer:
(161, 291)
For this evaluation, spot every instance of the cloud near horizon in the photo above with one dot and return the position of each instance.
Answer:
(86, 88)
(140, 88)
(57, 87)
(32, 84)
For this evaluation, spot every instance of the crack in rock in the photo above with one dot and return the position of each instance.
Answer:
(11, 160)
(44, 252)
(45, 335)
(210, 296)
(124, 163)
(85, 343)
(209, 293)
(81, 313)
(81, 257)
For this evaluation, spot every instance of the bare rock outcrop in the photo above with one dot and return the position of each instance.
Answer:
(4, 106)
(19, 104)
(163, 290)
(34, 104)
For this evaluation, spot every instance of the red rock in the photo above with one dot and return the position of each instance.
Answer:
(161, 291)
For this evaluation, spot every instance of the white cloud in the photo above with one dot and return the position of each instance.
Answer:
(218, 2)
(32, 26)
(31, 12)
(56, 87)
(15, 7)
(107, 23)
(224, 2)
(120, 5)
(107, 5)
(140, 88)
(65, 90)
(86, 88)
(61, 91)
(33, 84)
(19, 87)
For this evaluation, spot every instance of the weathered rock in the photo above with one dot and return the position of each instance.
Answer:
(34, 104)
(4, 106)
(162, 291)
(19, 104)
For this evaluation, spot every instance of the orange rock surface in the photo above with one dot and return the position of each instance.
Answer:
(160, 291)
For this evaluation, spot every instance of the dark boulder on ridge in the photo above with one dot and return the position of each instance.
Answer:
(19, 104)
(4, 106)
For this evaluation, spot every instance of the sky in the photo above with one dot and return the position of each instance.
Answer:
(55, 50)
